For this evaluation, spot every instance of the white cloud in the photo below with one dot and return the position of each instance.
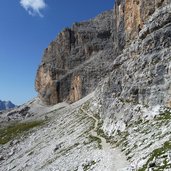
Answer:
(33, 7)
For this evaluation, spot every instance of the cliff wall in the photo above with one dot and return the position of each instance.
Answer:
(130, 16)
(75, 62)
(81, 56)
(142, 69)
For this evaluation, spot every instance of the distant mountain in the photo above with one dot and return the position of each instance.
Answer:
(6, 105)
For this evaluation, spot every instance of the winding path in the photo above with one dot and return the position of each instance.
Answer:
(114, 157)
(104, 144)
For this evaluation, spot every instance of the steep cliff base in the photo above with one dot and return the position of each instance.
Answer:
(68, 139)
(143, 135)
(75, 137)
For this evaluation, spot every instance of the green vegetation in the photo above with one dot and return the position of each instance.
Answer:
(88, 165)
(123, 139)
(76, 169)
(146, 106)
(101, 133)
(99, 129)
(166, 115)
(86, 105)
(9, 133)
(157, 153)
(139, 121)
(127, 101)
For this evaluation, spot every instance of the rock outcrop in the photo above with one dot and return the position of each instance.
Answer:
(80, 57)
(6, 105)
(140, 35)
(76, 61)
(142, 68)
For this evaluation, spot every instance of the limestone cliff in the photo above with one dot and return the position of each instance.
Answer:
(141, 69)
(130, 16)
(134, 100)
(80, 57)
(76, 60)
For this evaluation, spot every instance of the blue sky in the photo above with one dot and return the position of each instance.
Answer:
(26, 29)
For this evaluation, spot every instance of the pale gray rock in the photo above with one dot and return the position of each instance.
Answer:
(76, 61)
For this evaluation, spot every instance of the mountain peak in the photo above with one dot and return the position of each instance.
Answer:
(6, 105)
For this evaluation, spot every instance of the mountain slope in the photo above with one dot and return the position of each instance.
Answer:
(63, 144)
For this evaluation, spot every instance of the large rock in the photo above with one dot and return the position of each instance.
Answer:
(76, 60)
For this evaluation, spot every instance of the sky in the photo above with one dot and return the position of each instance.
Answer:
(26, 29)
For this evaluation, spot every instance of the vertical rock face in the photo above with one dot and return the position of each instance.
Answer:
(75, 61)
(138, 90)
(76, 87)
(133, 42)
(142, 66)
(130, 17)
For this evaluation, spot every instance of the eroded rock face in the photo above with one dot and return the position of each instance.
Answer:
(141, 71)
(133, 43)
(71, 63)
(130, 17)
(137, 93)
(76, 86)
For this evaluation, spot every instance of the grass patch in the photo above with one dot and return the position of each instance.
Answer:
(9, 133)
(166, 115)
(100, 131)
(128, 101)
(123, 139)
(146, 106)
(156, 154)
(86, 105)
(88, 165)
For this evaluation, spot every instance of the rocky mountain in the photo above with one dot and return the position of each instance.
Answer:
(75, 62)
(6, 105)
(104, 96)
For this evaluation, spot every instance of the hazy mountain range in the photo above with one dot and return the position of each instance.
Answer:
(6, 105)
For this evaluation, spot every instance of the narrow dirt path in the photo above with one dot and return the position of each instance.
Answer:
(115, 159)
(104, 144)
